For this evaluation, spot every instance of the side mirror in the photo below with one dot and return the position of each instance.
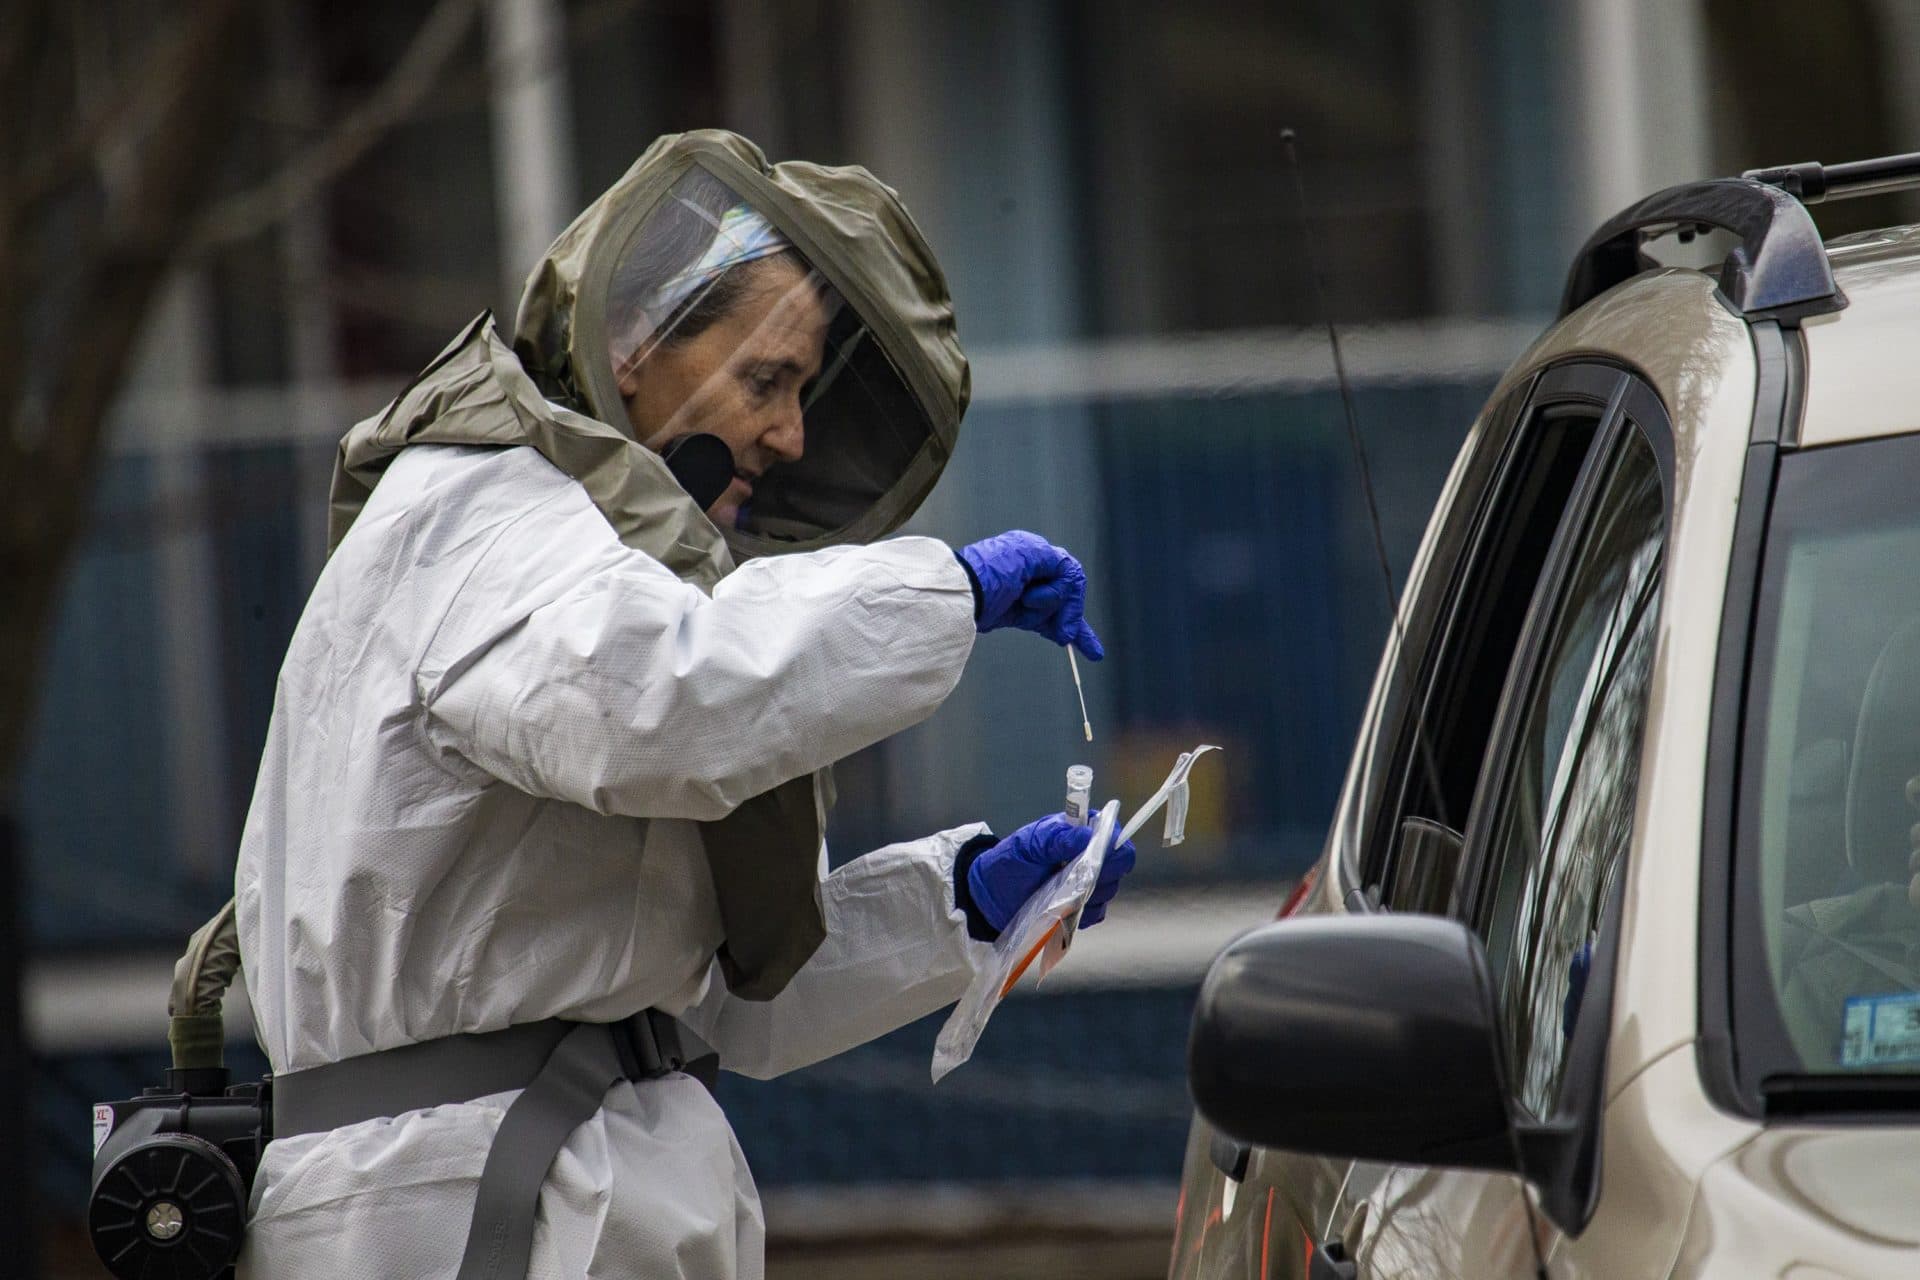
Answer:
(1370, 1037)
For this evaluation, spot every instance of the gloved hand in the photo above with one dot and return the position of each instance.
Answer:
(1001, 878)
(1022, 580)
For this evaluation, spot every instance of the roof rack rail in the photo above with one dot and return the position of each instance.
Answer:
(1812, 182)
(1778, 271)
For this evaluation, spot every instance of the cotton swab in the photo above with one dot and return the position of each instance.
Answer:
(1086, 725)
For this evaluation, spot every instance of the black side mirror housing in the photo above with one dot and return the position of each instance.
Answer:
(1376, 1037)
(1370, 1037)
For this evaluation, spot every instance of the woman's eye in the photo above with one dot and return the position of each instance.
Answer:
(762, 384)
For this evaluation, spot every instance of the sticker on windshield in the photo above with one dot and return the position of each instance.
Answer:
(1881, 1029)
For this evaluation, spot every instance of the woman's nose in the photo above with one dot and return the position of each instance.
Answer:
(786, 436)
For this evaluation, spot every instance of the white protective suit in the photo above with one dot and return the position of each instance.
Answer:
(494, 732)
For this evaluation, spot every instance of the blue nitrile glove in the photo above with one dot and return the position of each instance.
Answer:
(992, 880)
(1022, 580)
(1119, 862)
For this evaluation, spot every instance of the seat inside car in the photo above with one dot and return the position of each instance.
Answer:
(1886, 756)
(1866, 941)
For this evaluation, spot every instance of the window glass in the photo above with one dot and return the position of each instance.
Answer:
(1828, 796)
(1565, 809)
(1441, 751)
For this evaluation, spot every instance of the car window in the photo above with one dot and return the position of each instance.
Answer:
(1445, 739)
(1830, 784)
(1564, 804)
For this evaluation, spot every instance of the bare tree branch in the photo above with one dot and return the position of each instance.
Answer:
(19, 39)
(43, 491)
(399, 95)
(136, 97)
(459, 89)
(163, 125)
(166, 181)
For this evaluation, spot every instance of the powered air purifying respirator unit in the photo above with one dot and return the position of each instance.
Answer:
(174, 1167)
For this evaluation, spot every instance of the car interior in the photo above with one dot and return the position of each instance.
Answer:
(1837, 690)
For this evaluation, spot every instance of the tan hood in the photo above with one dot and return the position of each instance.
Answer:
(850, 227)
(476, 393)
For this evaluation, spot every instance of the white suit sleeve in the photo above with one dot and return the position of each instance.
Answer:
(597, 677)
(896, 949)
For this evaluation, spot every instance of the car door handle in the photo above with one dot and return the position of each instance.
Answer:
(1230, 1157)
(1330, 1262)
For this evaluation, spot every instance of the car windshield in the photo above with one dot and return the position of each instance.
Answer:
(1830, 778)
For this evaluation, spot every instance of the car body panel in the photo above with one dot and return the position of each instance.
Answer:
(1854, 390)
(1422, 1222)
(1660, 1136)
(1808, 1204)
(1673, 330)
(1262, 1225)
(1259, 1226)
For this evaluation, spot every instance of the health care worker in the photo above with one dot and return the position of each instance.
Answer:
(539, 815)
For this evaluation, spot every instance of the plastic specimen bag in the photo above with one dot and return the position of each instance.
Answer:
(1173, 793)
(1064, 893)
(1042, 929)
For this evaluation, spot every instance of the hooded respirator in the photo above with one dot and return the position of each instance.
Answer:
(708, 295)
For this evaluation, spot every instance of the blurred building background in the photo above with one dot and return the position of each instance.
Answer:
(1104, 182)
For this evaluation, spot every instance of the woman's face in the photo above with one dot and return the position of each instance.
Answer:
(740, 379)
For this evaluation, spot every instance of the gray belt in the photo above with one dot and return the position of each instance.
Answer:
(563, 1070)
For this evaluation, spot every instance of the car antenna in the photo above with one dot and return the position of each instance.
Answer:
(1393, 594)
(1428, 763)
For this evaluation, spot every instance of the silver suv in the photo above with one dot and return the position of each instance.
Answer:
(1611, 966)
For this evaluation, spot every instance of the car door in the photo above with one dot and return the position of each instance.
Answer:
(1396, 840)
(1546, 839)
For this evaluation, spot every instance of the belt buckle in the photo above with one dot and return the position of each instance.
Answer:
(649, 1045)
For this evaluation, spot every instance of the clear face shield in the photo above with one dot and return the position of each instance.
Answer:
(719, 329)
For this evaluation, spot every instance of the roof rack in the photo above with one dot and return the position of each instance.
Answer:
(1812, 182)
(1778, 271)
